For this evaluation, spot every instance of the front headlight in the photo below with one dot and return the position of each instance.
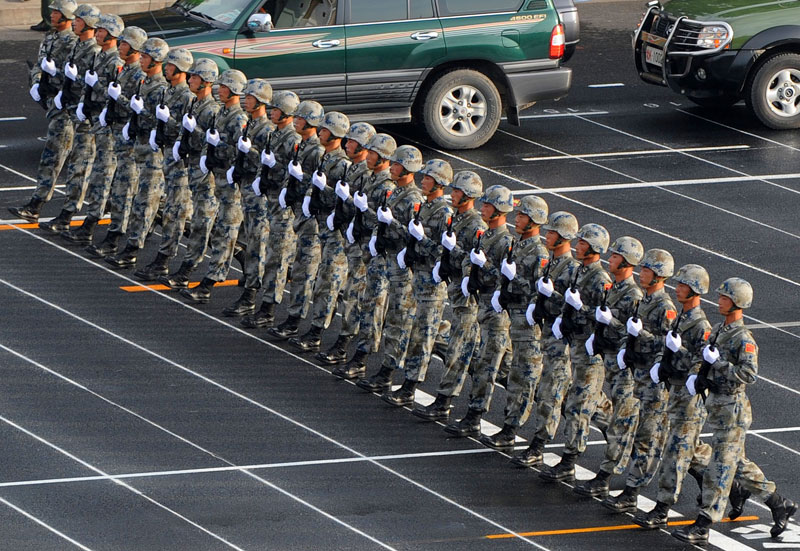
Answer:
(713, 37)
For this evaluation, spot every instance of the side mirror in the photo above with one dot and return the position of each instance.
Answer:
(260, 23)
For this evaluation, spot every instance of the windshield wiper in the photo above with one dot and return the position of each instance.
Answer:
(211, 21)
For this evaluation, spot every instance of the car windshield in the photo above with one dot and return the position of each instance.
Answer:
(216, 12)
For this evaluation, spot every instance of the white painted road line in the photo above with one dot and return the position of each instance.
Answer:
(635, 153)
(44, 525)
(609, 85)
(24, 188)
(559, 114)
(20, 174)
(10, 119)
(739, 130)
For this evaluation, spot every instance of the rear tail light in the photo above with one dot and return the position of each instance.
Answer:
(557, 42)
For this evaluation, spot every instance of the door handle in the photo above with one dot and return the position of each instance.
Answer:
(429, 35)
(325, 43)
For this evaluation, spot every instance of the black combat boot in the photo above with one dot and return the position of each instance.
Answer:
(469, 425)
(125, 259)
(109, 246)
(624, 502)
(354, 369)
(337, 353)
(246, 304)
(403, 396)
(288, 328)
(598, 486)
(157, 268)
(378, 382)
(502, 440)
(263, 318)
(59, 223)
(310, 341)
(440, 351)
(563, 470)
(438, 410)
(200, 294)
(82, 235)
(239, 254)
(737, 498)
(29, 211)
(782, 510)
(180, 279)
(533, 455)
(656, 518)
(696, 533)
(698, 477)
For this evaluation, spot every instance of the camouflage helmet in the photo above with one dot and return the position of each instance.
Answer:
(134, 36)
(112, 23)
(468, 183)
(206, 69)
(234, 80)
(382, 144)
(738, 290)
(695, 276)
(660, 261)
(563, 223)
(439, 170)
(409, 157)
(66, 7)
(156, 48)
(259, 89)
(361, 133)
(596, 236)
(535, 208)
(337, 124)
(310, 111)
(89, 14)
(181, 58)
(629, 248)
(285, 101)
(499, 197)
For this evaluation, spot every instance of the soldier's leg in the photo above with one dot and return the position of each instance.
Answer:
(727, 445)
(255, 235)
(332, 275)
(60, 136)
(148, 196)
(526, 370)
(226, 230)
(426, 317)
(120, 198)
(464, 341)
(280, 250)
(397, 324)
(103, 169)
(204, 213)
(583, 397)
(355, 284)
(650, 438)
(79, 166)
(373, 307)
(624, 419)
(304, 270)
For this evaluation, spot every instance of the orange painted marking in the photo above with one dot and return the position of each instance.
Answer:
(141, 288)
(706, 335)
(671, 314)
(749, 348)
(35, 225)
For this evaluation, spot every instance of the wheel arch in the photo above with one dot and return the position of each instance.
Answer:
(764, 45)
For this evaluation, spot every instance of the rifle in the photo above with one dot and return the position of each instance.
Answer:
(264, 173)
(446, 271)
(338, 213)
(600, 329)
(111, 104)
(568, 312)
(473, 285)
(161, 138)
(211, 150)
(89, 106)
(293, 185)
(630, 341)
(538, 311)
(505, 294)
(133, 130)
(702, 375)
(185, 148)
(380, 245)
(411, 241)
(315, 202)
(46, 89)
(66, 89)
(238, 164)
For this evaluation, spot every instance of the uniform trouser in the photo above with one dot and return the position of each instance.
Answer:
(105, 164)
(373, 306)
(355, 283)
(495, 345)
(280, 251)
(148, 196)
(624, 419)
(464, 341)
(304, 269)
(123, 186)
(79, 166)
(226, 227)
(400, 309)
(525, 370)
(553, 386)
(584, 396)
(683, 449)
(651, 430)
(429, 298)
(330, 279)
(177, 206)
(204, 213)
(253, 236)
(60, 135)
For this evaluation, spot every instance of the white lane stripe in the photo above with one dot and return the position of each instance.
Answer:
(9, 119)
(775, 324)
(44, 525)
(561, 115)
(123, 484)
(20, 174)
(609, 85)
(25, 188)
(771, 441)
(739, 130)
(635, 153)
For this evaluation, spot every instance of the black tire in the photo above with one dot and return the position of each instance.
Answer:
(773, 92)
(476, 126)
(717, 103)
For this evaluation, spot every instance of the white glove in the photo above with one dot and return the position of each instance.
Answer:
(478, 258)
(329, 220)
(557, 328)
(48, 66)
(360, 201)
(673, 341)
(621, 360)
(90, 77)
(385, 215)
(372, 249)
(114, 90)
(189, 122)
(711, 355)
(306, 206)
(229, 175)
(57, 100)
(256, 185)
(435, 272)
(496, 302)
(448, 240)
(162, 113)
(573, 298)
(125, 130)
(590, 345)
(654, 372)
(268, 158)
(203, 167)
(465, 286)
(416, 230)
(152, 140)
(349, 233)
(212, 137)
(529, 314)
(71, 71)
(79, 112)
(102, 117)
(319, 180)
(401, 259)
(508, 270)
(690, 380)
(244, 145)
(137, 104)
(34, 92)
(342, 190)
(175, 150)
(545, 287)
(296, 170)
(603, 315)
(282, 198)
(634, 327)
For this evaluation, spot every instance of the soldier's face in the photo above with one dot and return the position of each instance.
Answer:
(55, 17)
(682, 292)
(299, 124)
(373, 160)
(325, 136)
(78, 25)
(614, 262)
(551, 239)
(195, 83)
(521, 222)
(275, 115)
(395, 171)
(224, 93)
(124, 49)
(456, 197)
(170, 70)
(351, 148)
(646, 277)
(146, 60)
(487, 211)
(582, 249)
(427, 184)
(100, 36)
(726, 305)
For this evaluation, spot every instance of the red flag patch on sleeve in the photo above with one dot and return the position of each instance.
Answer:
(606, 286)
(750, 348)
(671, 314)
(544, 262)
(706, 335)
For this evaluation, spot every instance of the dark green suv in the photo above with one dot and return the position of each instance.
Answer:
(453, 65)
(717, 52)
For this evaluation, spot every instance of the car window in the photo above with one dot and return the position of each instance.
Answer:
(420, 9)
(222, 11)
(468, 7)
(289, 14)
(369, 11)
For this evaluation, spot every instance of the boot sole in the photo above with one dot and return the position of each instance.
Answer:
(237, 314)
(556, 478)
(430, 417)
(462, 434)
(495, 446)
(523, 464)
(789, 513)
(589, 493)
(647, 526)
(694, 541)
(329, 361)
(612, 507)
